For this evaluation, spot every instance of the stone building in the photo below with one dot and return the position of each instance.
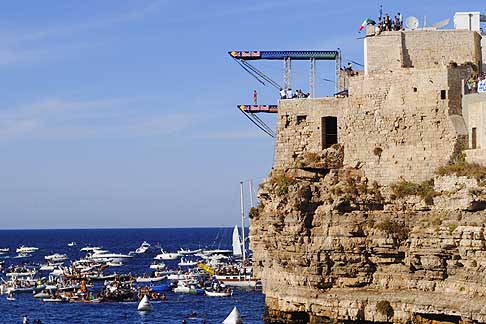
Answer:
(403, 116)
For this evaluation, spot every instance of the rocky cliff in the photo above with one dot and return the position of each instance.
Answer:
(332, 247)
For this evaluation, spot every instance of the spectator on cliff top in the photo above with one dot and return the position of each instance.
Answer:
(387, 22)
(288, 93)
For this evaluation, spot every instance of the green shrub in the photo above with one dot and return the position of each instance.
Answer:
(406, 188)
(460, 168)
(281, 183)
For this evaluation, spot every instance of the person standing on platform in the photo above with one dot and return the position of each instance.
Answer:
(282, 93)
(254, 97)
(289, 93)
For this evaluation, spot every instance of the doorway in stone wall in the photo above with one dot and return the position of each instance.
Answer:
(329, 131)
(473, 138)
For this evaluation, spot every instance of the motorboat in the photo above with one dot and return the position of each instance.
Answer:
(167, 255)
(143, 248)
(187, 252)
(187, 263)
(238, 280)
(188, 288)
(26, 249)
(4, 250)
(22, 255)
(157, 266)
(223, 293)
(71, 244)
(110, 257)
(150, 279)
(90, 248)
(56, 257)
(217, 251)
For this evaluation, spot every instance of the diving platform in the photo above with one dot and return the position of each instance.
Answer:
(259, 108)
(242, 57)
(282, 55)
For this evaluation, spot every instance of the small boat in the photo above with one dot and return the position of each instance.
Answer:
(223, 293)
(143, 248)
(90, 248)
(234, 317)
(56, 257)
(71, 244)
(144, 305)
(114, 264)
(42, 295)
(110, 257)
(4, 250)
(55, 300)
(187, 263)
(187, 252)
(157, 266)
(26, 249)
(22, 255)
(11, 298)
(150, 279)
(166, 255)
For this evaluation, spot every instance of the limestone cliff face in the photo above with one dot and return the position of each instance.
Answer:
(334, 247)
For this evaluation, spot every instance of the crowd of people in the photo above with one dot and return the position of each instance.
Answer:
(475, 83)
(288, 94)
(388, 23)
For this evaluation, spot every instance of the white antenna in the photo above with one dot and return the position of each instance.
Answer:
(412, 22)
(441, 23)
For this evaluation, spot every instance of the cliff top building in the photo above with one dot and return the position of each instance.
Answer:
(406, 114)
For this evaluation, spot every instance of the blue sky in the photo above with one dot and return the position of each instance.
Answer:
(122, 114)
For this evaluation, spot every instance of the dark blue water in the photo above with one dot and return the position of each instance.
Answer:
(177, 306)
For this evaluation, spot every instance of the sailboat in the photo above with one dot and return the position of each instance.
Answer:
(236, 243)
(244, 278)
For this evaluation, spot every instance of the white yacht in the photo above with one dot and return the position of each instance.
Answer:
(56, 257)
(167, 255)
(110, 257)
(143, 248)
(26, 249)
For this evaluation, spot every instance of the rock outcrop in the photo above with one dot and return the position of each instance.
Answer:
(334, 247)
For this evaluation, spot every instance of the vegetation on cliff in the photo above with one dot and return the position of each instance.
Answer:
(406, 188)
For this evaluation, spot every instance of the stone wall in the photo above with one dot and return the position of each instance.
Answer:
(403, 117)
(474, 112)
(408, 115)
(299, 128)
(421, 49)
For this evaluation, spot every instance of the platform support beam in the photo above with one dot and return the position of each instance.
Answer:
(338, 72)
(312, 78)
(287, 73)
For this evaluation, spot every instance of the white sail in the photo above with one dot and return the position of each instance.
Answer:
(234, 317)
(236, 243)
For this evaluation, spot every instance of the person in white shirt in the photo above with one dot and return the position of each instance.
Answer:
(282, 93)
(289, 93)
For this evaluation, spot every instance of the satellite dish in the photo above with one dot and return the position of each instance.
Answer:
(441, 23)
(412, 22)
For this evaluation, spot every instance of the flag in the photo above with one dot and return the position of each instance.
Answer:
(365, 23)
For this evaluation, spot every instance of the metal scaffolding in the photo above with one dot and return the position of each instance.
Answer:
(287, 73)
(312, 78)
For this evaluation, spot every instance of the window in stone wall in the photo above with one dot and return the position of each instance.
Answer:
(414, 89)
(473, 138)
(301, 119)
(442, 94)
(329, 131)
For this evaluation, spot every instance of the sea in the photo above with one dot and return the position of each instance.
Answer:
(176, 309)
